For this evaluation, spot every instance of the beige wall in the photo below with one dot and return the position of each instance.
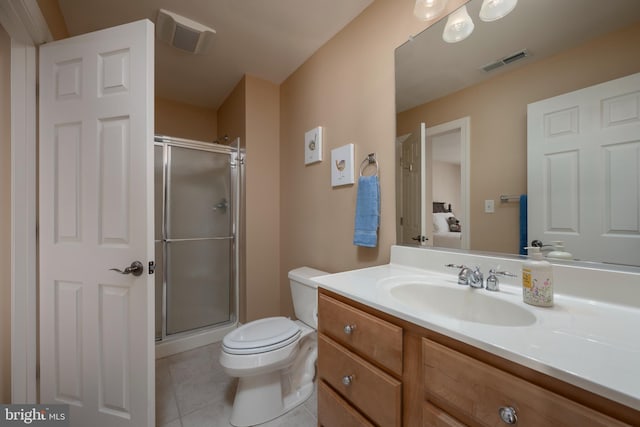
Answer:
(251, 112)
(232, 115)
(173, 118)
(499, 127)
(447, 189)
(5, 217)
(262, 199)
(53, 16)
(347, 86)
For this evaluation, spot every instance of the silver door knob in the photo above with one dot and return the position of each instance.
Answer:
(508, 415)
(348, 329)
(136, 268)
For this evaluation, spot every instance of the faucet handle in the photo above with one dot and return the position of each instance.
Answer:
(460, 266)
(463, 275)
(492, 280)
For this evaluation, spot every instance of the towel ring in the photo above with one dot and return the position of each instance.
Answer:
(370, 160)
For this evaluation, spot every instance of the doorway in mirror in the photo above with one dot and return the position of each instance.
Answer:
(432, 165)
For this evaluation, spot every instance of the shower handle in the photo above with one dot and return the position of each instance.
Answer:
(136, 268)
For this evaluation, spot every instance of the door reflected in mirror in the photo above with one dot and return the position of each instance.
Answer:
(438, 82)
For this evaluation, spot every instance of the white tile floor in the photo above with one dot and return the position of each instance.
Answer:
(193, 391)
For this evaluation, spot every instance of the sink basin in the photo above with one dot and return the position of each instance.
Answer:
(462, 303)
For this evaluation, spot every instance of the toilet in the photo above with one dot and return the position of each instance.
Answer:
(274, 358)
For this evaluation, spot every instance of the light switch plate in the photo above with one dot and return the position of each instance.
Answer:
(489, 206)
(313, 145)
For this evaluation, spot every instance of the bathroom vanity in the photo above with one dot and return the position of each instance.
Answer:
(404, 345)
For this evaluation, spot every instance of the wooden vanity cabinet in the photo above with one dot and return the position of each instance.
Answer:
(384, 371)
(359, 367)
(475, 393)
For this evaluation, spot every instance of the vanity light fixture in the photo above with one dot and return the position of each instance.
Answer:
(493, 10)
(426, 10)
(459, 26)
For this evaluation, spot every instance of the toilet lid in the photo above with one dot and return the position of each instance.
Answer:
(261, 336)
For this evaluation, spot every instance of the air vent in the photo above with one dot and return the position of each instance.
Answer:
(183, 33)
(506, 60)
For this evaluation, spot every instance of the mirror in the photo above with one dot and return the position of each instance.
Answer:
(547, 48)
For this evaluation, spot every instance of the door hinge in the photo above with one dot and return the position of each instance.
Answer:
(152, 267)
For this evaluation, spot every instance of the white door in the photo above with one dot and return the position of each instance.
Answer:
(96, 213)
(411, 169)
(583, 173)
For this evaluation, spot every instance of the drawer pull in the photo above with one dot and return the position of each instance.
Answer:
(348, 379)
(508, 415)
(348, 329)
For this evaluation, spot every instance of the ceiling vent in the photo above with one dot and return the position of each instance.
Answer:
(183, 33)
(506, 60)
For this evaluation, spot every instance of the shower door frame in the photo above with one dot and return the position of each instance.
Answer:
(236, 159)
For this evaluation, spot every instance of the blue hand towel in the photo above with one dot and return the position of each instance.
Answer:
(367, 212)
(523, 224)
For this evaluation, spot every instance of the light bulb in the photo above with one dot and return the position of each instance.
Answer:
(426, 10)
(493, 10)
(459, 26)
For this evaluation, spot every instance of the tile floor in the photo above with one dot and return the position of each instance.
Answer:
(193, 391)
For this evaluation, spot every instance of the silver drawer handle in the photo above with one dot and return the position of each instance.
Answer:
(348, 379)
(348, 329)
(508, 415)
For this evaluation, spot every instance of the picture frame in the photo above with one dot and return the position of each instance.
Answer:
(342, 170)
(313, 145)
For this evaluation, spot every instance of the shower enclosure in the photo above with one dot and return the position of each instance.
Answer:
(197, 200)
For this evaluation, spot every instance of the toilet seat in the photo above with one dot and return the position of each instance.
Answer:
(261, 336)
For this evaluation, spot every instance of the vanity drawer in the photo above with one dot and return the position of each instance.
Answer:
(369, 389)
(473, 392)
(334, 411)
(371, 337)
(433, 416)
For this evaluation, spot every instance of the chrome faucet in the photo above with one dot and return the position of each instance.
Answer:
(492, 280)
(476, 278)
(464, 274)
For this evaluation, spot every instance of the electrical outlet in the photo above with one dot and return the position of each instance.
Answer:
(489, 206)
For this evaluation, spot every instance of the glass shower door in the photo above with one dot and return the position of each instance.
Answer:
(199, 239)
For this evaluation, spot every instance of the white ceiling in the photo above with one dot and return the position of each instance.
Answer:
(428, 68)
(268, 39)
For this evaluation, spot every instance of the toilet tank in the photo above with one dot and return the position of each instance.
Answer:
(304, 293)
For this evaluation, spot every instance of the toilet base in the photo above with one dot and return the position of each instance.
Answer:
(261, 398)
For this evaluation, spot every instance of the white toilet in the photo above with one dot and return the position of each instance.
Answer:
(274, 358)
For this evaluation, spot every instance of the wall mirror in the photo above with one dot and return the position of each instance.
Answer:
(542, 49)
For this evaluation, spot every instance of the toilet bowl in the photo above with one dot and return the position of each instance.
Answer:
(274, 358)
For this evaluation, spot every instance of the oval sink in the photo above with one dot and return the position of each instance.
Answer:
(462, 303)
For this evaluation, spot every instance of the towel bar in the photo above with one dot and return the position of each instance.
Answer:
(505, 198)
(370, 160)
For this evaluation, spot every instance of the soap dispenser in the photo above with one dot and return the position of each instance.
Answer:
(537, 279)
(558, 251)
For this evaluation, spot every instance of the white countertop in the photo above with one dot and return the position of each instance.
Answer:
(593, 345)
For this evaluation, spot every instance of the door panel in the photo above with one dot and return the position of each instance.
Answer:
(158, 191)
(198, 278)
(412, 170)
(96, 213)
(159, 285)
(584, 171)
